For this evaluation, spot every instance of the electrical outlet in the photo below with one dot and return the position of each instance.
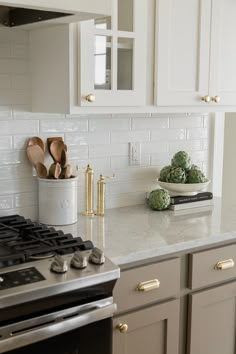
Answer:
(134, 154)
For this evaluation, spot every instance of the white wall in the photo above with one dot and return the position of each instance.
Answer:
(101, 140)
(229, 170)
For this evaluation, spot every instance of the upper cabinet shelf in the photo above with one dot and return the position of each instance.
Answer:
(196, 54)
(91, 63)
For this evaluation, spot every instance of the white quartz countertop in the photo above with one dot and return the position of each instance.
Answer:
(135, 234)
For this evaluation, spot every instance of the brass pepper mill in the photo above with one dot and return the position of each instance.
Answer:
(89, 192)
(101, 195)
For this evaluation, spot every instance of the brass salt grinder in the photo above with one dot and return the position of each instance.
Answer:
(89, 192)
(101, 195)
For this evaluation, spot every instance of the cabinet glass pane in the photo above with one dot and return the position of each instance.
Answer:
(103, 23)
(125, 15)
(125, 64)
(102, 52)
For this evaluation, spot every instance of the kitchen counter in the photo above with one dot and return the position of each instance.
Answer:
(136, 234)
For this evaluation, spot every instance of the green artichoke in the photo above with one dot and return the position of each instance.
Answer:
(196, 176)
(159, 199)
(195, 167)
(181, 159)
(164, 172)
(176, 175)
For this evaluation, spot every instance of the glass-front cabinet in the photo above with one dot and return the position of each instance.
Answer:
(112, 57)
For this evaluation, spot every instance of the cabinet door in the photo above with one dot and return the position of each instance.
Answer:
(112, 52)
(154, 330)
(223, 52)
(182, 51)
(213, 321)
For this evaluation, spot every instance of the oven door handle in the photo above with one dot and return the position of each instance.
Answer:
(26, 336)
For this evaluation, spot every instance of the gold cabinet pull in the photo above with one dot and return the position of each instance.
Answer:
(90, 97)
(123, 327)
(216, 99)
(226, 264)
(206, 98)
(148, 285)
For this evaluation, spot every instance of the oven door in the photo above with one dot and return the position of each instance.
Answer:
(84, 329)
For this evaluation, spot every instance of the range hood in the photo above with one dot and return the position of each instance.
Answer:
(29, 14)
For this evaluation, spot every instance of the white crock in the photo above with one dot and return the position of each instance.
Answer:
(58, 201)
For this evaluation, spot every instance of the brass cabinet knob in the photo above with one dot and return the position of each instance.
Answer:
(206, 99)
(226, 264)
(216, 99)
(123, 327)
(90, 97)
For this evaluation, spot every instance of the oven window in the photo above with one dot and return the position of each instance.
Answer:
(90, 339)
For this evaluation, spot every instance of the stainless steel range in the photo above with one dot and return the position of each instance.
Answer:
(55, 291)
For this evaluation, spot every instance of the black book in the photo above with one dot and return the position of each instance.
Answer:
(191, 198)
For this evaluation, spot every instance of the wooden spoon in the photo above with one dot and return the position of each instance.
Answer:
(67, 172)
(41, 170)
(35, 154)
(56, 148)
(55, 170)
(63, 158)
(35, 140)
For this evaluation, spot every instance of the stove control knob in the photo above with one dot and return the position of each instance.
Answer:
(1, 280)
(97, 256)
(59, 265)
(79, 260)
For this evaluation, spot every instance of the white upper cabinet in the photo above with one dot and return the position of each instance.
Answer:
(223, 52)
(113, 56)
(91, 63)
(196, 53)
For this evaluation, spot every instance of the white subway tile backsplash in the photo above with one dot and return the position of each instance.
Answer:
(187, 122)
(25, 199)
(188, 145)
(63, 126)
(197, 133)
(100, 140)
(16, 171)
(168, 134)
(6, 202)
(18, 186)
(155, 147)
(125, 199)
(5, 112)
(11, 157)
(87, 138)
(108, 124)
(149, 123)
(108, 150)
(5, 142)
(123, 161)
(129, 136)
(19, 127)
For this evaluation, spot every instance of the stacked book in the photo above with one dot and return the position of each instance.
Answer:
(203, 199)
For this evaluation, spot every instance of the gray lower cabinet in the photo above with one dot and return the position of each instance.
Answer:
(153, 330)
(212, 322)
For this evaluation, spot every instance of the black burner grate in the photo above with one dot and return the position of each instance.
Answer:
(22, 240)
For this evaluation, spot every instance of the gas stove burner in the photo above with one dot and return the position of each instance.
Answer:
(22, 240)
(42, 256)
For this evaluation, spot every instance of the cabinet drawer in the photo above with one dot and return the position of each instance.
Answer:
(147, 284)
(212, 266)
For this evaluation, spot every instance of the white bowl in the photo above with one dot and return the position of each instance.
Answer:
(183, 188)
